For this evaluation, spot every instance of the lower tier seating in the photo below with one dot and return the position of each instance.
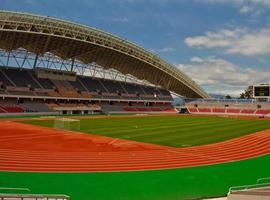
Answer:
(11, 108)
(229, 110)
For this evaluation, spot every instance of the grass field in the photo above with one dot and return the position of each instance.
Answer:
(170, 184)
(177, 131)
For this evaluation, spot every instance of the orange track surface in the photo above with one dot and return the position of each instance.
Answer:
(25, 147)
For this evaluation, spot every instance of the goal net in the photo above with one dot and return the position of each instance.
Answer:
(67, 124)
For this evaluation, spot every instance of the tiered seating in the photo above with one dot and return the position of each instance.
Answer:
(74, 105)
(233, 110)
(164, 94)
(4, 80)
(218, 110)
(132, 88)
(31, 83)
(21, 78)
(263, 112)
(130, 109)
(35, 107)
(53, 93)
(66, 89)
(234, 106)
(2, 110)
(143, 109)
(169, 110)
(248, 111)
(11, 108)
(46, 83)
(93, 85)
(148, 109)
(113, 86)
(192, 109)
(156, 109)
(204, 110)
(86, 94)
(78, 86)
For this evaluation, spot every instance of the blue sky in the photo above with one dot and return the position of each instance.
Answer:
(224, 45)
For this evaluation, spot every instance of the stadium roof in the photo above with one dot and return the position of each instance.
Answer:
(69, 40)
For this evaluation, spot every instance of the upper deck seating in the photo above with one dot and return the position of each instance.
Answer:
(46, 83)
(4, 80)
(150, 90)
(93, 85)
(113, 86)
(77, 85)
(21, 78)
(164, 94)
(26, 82)
(66, 89)
(132, 88)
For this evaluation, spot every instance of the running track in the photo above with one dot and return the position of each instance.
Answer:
(25, 147)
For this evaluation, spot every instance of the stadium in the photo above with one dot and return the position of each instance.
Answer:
(86, 114)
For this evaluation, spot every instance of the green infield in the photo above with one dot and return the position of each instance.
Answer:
(167, 184)
(177, 131)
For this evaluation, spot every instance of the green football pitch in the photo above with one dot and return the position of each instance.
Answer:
(169, 184)
(177, 131)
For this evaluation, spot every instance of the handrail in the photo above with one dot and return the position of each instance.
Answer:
(263, 179)
(36, 196)
(246, 187)
(15, 189)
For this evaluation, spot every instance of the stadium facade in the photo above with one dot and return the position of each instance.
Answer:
(64, 64)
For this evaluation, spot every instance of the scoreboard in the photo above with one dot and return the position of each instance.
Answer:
(261, 91)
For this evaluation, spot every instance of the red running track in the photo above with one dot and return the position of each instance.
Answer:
(27, 147)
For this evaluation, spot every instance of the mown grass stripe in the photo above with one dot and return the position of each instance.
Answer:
(175, 131)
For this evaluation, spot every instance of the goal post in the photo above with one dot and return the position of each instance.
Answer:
(67, 124)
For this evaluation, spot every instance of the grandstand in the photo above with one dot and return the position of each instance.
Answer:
(28, 90)
(69, 68)
(249, 107)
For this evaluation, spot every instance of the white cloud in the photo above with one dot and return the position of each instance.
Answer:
(115, 19)
(223, 77)
(245, 6)
(167, 49)
(119, 19)
(237, 41)
(246, 9)
(197, 59)
(162, 50)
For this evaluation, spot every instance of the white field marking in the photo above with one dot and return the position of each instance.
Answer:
(113, 141)
(67, 120)
(123, 143)
(49, 117)
(200, 156)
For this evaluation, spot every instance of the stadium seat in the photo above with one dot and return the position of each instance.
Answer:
(248, 111)
(204, 110)
(218, 110)
(233, 110)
